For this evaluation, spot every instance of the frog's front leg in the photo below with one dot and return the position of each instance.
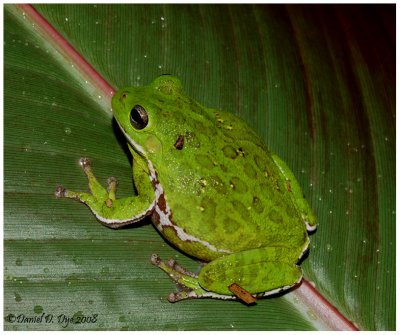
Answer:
(112, 212)
(260, 272)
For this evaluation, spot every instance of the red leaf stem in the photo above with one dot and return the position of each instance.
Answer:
(52, 36)
(322, 308)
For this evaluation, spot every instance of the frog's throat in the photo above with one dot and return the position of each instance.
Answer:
(162, 215)
(134, 144)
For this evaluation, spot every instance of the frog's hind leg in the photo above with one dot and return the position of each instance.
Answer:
(187, 282)
(260, 272)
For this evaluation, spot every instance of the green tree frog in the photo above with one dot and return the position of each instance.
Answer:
(212, 189)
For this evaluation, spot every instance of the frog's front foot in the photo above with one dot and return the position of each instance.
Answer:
(100, 200)
(62, 192)
(98, 192)
(187, 282)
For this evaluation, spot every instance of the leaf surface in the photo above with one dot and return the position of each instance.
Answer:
(316, 82)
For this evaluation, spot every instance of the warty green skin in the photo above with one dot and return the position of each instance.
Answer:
(213, 189)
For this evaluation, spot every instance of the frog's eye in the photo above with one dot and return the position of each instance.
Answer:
(139, 117)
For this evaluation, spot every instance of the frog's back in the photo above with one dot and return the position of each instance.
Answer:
(228, 190)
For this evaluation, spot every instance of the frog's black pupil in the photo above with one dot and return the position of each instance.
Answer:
(139, 118)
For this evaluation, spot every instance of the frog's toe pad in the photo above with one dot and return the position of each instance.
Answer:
(85, 163)
(172, 297)
(112, 180)
(60, 192)
(155, 259)
(182, 295)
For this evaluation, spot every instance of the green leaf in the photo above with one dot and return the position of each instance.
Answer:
(316, 82)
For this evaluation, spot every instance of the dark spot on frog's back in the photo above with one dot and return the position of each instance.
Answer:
(238, 185)
(231, 225)
(180, 141)
(208, 209)
(275, 216)
(241, 152)
(230, 152)
(257, 205)
(217, 183)
(250, 171)
(260, 162)
(223, 168)
(204, 161)
(241, 210)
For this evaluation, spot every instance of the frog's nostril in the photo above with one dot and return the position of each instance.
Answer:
(123, 95)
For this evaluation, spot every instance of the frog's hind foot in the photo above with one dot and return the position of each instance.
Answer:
(179, 268)
(186, 281)
(174, 270)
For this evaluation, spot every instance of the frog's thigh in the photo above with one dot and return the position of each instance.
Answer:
(257, 271)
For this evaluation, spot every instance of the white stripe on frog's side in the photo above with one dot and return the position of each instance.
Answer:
(119, 223)
(165, 215)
